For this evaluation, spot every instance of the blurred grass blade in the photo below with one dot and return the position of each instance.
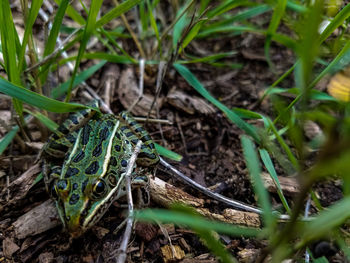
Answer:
(226, 6)
(44, 120)
(191, 35)
(168, 153)
(274, 23)
(210, 58)
(325, 222)
(7, 139)
(53, 35)
(37, 100)
(265, 157)
(89, 28)
(337, 21)
(117, 11)
(33, 13)
(253, 165)
(81, 77)
(180, 218)
(154, 26)
(193, 81)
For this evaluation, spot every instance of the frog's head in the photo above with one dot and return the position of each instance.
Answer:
(81, 203)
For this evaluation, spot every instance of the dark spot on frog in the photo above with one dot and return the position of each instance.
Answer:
(93, 168)
(123, 128)
(117, 148)
(98, 150)
(75, 186)
(139, 129)
(117, 135)
(86, 134)
(71, 172)
(127, 142)
(151, 146)
(134, 141)
(129, 134)
(104, 134)
(78, 157)
(146, 138)
(63, 129)
(74, 119)
(133, 123)
(124, 163)
(74, 199)
(147, 155)
(110, 123)
(71, 138)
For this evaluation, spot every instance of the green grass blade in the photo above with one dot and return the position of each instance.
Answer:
(33, 13)
(180, 218)
(180, 25)
(89, 28)
(53, 35)
(194, 82)
(253, 165)
(191, 35)
(335, 23)
(208, 59)
(154, 26)
(37, 100)
(265, 157)
(226, 6)
(325, 222)
(7, 139)
(168, 153)
(274, 23)
(81, 77)
(117, 11)
(44, 120)
(72, 13)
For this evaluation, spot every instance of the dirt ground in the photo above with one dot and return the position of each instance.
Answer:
(207, 140)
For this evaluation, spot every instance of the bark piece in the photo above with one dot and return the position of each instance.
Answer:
(9, 247)
(128, 93)
(38, 220)
(172, 253)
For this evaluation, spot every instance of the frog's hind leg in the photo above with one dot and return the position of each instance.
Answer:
(64, 137)
(148, 155)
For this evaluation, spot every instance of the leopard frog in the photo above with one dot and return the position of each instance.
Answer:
(85, 162)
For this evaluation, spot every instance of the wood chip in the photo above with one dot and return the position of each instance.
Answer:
(172, 253)
(189, 104)
(128, 93)
(9, 247)
(289, 185)
(248, 255)
(38, 220)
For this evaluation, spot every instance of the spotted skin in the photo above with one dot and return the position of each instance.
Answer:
(85, 162)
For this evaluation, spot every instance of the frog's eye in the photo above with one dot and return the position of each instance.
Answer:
(62, 185)
(99, 189)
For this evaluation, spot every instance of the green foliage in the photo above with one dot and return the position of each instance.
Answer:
(281, 143)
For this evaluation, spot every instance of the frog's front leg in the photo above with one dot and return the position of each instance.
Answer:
(148, 156)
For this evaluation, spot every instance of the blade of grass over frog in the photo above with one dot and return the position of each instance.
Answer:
(274, 23)
(53, 35)
(81, 77)
(337, 21)
(325, 221)
(72, 13)
(10, 49)
(209, 58)
(44, 120)
(89, 28)
(265, 157)
(296, 7)
(253, 165)
(7, 139)
(194, 82)
(180, 218)
(36, 99)
(33, 13)
(168, 153)
(207, 236)
(117, 11)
